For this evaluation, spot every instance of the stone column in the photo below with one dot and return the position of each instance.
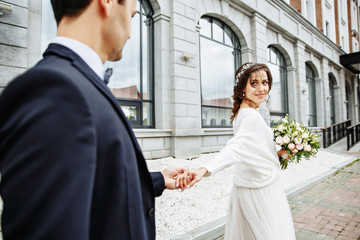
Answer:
(301, 86)
(356, 99)
(259, 44)
(292, 92)
(14, 27)
(319, 101)
(162, 71)
(342, 94)
(259, 38)
(184, 88)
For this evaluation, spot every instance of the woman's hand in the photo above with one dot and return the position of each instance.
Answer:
(284, 154)
(190, 178)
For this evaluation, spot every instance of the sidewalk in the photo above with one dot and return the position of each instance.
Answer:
(330, 209)
(199, 213)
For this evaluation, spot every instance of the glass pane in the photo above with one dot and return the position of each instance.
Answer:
(227, 36)
(275, 119)
(125, 81)
(205, 29)
(312, 102)
(147, 114)
(275, 93)
(48, 24)
(217, 31)
(273, 57)
(215, 117)
(138, 6)
(217, 73)
(131, 113)
(146, 67)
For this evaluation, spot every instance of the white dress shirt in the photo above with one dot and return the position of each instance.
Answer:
(85, 52)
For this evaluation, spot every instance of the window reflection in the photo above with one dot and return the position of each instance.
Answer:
(219, 58)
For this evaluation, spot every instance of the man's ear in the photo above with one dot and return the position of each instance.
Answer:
(106, 6)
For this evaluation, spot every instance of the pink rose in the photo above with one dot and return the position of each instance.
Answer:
(291, 146)
(295, 151)
(299, 146)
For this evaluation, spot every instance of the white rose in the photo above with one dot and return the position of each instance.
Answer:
(285, 155)
(279, 140)
(295, 151)
(291, 146)
(286, 139)
(299, 146)
(307, 148)
(280, 128)
(297, 140)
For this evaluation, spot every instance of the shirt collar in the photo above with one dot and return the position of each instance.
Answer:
(87, 54)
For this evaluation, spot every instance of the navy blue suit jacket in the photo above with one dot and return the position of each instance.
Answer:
(71, 167)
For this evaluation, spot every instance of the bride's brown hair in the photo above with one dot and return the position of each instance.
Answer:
(241, 78)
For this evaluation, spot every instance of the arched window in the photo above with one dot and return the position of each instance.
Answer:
(219, 57)
(310, 80)
(279, 91)
(332, 84)
(132, 79)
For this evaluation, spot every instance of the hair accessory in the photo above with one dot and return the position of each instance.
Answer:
(246, 66)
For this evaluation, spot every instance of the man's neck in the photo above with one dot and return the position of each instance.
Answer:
(85, 30)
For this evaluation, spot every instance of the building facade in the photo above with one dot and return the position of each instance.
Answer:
(176, 79)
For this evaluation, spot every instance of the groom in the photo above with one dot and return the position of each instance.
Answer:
(71, 167)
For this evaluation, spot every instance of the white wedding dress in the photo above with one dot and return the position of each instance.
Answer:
(258, 207)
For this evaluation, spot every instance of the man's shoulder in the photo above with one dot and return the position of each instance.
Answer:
(46, 71)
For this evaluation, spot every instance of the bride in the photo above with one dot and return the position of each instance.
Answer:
(258, 207)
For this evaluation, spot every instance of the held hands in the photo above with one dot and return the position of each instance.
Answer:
(176, 178)
(189, 178)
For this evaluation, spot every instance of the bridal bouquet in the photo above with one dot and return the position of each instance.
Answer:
(298, 140)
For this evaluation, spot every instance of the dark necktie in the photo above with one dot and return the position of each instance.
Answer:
(107, 75)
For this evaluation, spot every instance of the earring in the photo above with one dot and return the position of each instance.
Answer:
(243, 94)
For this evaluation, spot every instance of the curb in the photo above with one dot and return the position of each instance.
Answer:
(216, 228)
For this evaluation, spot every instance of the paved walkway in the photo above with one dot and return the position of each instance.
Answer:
(330, 209)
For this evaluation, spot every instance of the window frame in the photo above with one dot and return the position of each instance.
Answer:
(283, 82)
(139, 123)
(237, 60)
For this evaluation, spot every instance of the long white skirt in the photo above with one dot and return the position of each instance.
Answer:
(259, 214)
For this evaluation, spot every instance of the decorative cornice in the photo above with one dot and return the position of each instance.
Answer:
(161, 16)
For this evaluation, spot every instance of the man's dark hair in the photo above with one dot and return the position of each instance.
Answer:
(70, 8)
